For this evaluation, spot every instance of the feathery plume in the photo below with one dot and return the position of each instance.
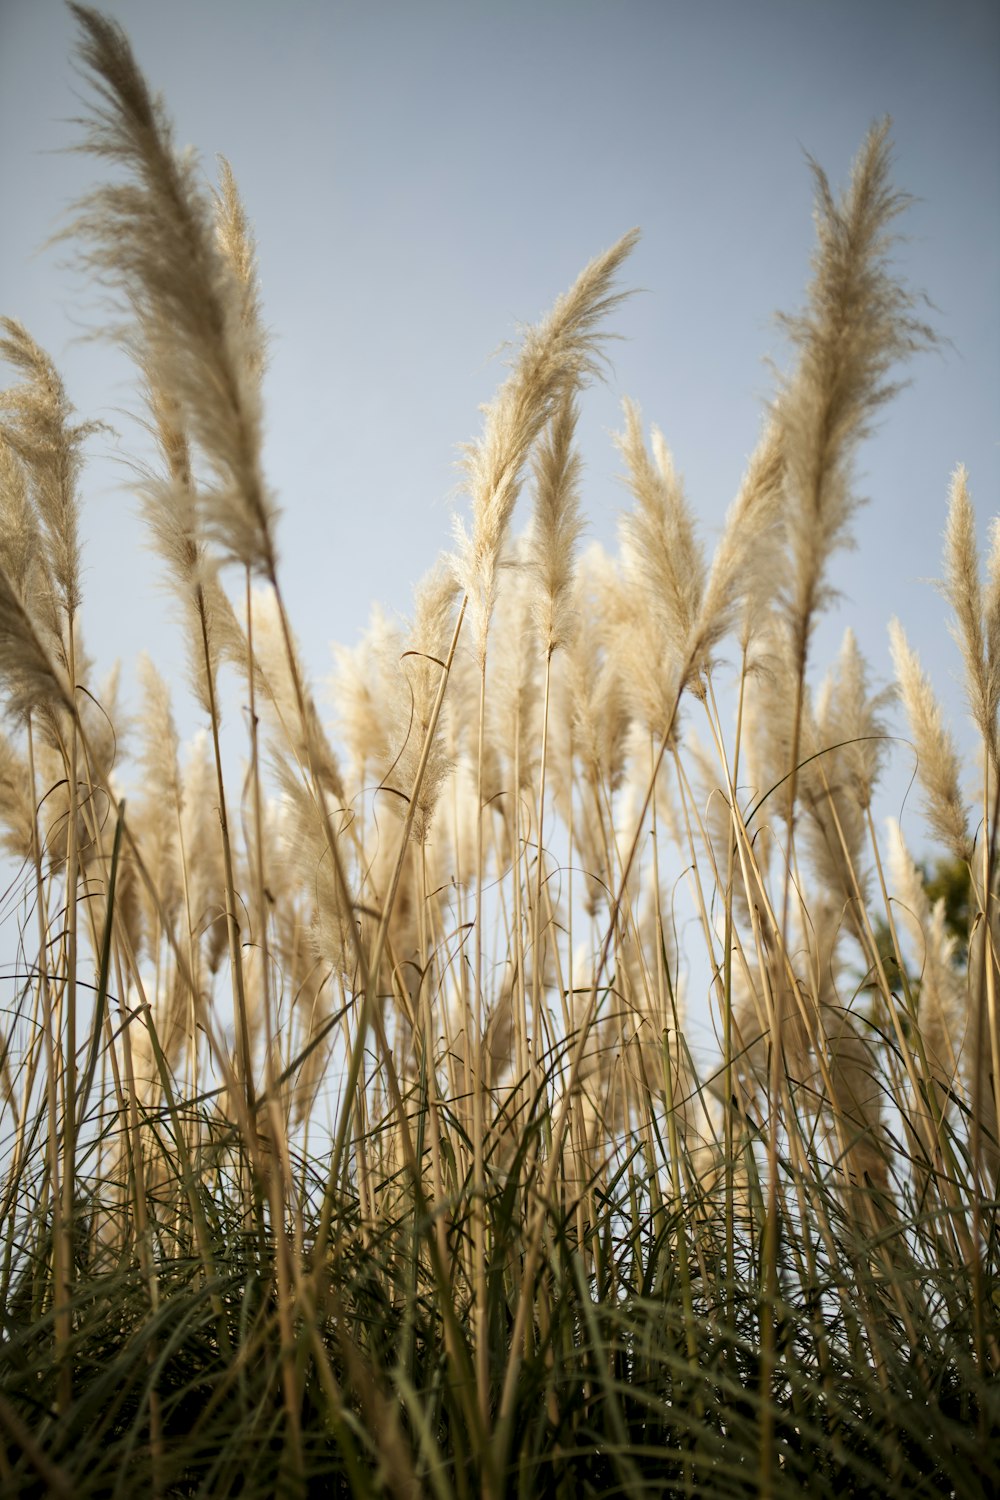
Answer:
(768, 715)
(594, 677)
(658, 537)
(963, 591)
(858, 324)
(513, 694)
(937, 759)
(419, 669)
(991, 601)
(943, 1009)
(35, 424)
(557, 527)
(23, 557)
(162, 800)
(235, 239)
(647, 669)
(850, 717)
(843, 737)
(17, 802)
(29, 669)
(152, 239)
(169, 505)
(274, 674)
(203, 852)
(744, 575)
(362, 688)
(557, 356)
(307, 863)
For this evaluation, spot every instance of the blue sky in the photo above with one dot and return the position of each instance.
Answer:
(424, 176)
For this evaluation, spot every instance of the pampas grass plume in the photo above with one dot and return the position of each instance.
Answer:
(859, 322)
(558, 525)
(937, 758)
(963, 591)
(557, 356)
(152, 238)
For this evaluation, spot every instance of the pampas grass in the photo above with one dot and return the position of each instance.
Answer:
(353, 1138)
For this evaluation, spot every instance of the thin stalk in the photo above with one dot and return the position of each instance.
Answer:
(519, 1000)
(480, 1324)
(276, 1175)
(65, 1289)
(232, 922)
(62, 1325)
(727, 1000)
(537, 964)
(371, 967)
(537, 1228)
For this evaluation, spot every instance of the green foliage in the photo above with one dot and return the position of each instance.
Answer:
(951, 883)
(638, 1380)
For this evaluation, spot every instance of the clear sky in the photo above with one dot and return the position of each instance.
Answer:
(424, 175)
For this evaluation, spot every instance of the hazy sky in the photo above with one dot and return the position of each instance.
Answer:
(423, 176)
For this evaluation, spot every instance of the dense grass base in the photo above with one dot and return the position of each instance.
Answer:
(642, 1374)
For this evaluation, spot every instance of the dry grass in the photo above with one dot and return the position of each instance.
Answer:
(352, 1141)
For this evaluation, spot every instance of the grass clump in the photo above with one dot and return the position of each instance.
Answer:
(354, 1145)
